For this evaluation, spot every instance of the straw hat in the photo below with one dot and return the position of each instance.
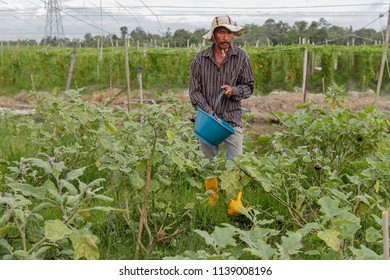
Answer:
(226, 22)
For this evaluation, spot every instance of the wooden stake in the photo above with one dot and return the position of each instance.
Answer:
(305, 73)
(139, 75)
(32, 82)
(2, 54)
(127, 74)
(385, 225)
(384, 55)
(71, 66)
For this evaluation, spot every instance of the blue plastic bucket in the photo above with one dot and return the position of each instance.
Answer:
(210, 130)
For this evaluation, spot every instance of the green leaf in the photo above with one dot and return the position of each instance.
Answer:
(96, 182)
(365, 253)
(377, 186)
(74, 174)
(21, 254)
(17, 200)
(29, 190)
(43, 205)
(262, 250)
(331, 238)
(329, 206)
(308, 228)
(4, 243)
(171, 135)
(369, 108)
(70, 187)
(208, 239)
(377, 219)
(223, 237)
(373, 235)
(110, 127)
(136, 180)
(290, 245)
(347, 224)
(230, 180)
(266, 184)
(102, 197)
(20, 214)
(177, 160)
(84, 244)
(5, 229)
(56, 229)
(314, 192)
(312, 253)
(41, 251)
(104, 209)
(41, 164)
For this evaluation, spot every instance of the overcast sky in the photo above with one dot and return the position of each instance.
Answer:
(27, 19)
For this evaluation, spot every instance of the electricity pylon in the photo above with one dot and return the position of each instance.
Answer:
(54, 28)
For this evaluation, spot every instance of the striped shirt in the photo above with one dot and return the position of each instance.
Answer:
(206, 81)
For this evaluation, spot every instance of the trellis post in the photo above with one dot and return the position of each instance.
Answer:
(127, 73)
(384, 55)
(385, 225)
(305, 73)
(71, 66)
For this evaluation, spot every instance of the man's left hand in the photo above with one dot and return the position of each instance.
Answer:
(228, 90)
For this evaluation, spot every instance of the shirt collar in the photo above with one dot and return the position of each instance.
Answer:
(210, 50)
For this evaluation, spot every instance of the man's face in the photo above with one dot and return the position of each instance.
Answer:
(223, 37)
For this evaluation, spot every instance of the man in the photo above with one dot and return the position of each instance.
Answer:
(221, 68)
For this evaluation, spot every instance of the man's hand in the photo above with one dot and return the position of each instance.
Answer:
(227, 90)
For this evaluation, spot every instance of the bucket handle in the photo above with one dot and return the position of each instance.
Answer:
(221, 94)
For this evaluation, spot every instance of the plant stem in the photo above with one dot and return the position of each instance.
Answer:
(143, 210)
(36, 245)
(22, 231)
(281, 201)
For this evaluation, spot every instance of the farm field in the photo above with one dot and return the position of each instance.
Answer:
(89, 176)
(74, 176)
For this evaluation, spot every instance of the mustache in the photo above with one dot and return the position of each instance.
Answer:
(225, 42)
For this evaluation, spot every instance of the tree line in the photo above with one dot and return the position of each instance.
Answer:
(271, 33)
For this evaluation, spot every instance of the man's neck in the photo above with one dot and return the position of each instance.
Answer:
(221, 51)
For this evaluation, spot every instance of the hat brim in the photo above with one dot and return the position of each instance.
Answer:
(237, 30)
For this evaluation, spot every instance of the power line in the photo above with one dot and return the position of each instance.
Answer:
(371, 22)
(161, 30)
(357, 14)
(159, 11)
(79, 19)
(130, 13)
(236, 7)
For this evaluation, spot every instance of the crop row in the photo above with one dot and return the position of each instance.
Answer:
(275, 68)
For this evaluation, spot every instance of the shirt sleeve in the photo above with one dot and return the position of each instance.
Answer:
(195, 87)
(245, 82)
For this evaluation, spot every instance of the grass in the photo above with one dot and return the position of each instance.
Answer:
(13, 141)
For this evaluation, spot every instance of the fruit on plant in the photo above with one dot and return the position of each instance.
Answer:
(318, 166)
(234, 204)
(211, 185)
